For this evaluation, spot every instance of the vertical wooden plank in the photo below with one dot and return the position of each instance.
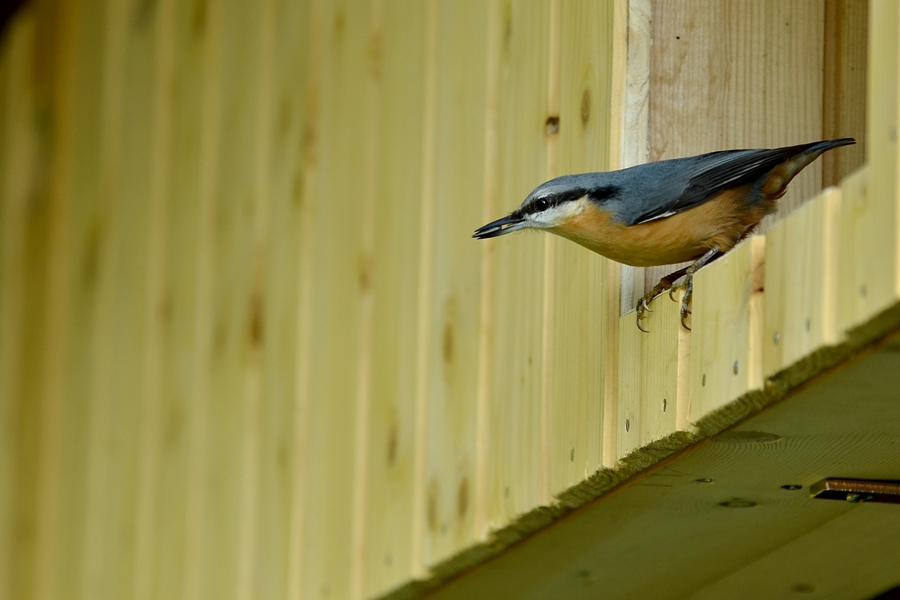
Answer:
(665, 370)
(19, 168)
(396, 63)
(582, 311)
(338, 280)
(181, 414)
(452, 338)
(126, 232)
(801, 283)
(727, 321)
(74, 238)
(869, 219)
(238, 218)
(515, 325)
(653, 371)
(280, 185)
(844, 96)
(737, 75)
(208, 29)
(626, 426)
(149, 417)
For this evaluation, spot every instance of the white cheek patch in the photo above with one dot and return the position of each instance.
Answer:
(557, 214)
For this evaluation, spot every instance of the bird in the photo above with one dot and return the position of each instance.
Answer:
(666, 212)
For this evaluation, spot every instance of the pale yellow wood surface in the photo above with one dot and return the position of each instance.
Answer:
(75, 236)
(271, 325)
(143, 568)
(182, 315)
(396, 65)
(737, 75)
(230, 311)
(452, 324)
(515, 324)
(727, 325)
(654, 375)
(665, 371)
(857, 271)
(801, 286)
(124, 229)
(869, 214)
(578, 367)
(337, 284)
(625, 427)
(19, 164)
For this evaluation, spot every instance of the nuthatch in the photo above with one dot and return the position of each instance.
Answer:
(671, 211)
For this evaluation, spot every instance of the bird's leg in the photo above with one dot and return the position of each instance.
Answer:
(664, 284)
(689, 282)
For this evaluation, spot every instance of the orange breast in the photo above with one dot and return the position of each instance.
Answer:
(721, 222)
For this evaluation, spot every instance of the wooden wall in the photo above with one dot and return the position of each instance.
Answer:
(248, 347)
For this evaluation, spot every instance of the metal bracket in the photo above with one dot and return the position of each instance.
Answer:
(857, 490)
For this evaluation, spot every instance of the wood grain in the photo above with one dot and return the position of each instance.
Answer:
(20, 151)
(338, 282)
(580, 285)
(396, 62)
(452, 334)
(801, 289)
(727, 326)
(515, 324)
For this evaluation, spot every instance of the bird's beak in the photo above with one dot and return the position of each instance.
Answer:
(502, 226)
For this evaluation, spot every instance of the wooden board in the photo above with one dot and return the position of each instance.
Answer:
(801, 287)
(646, 539)
(337, 283)
(19, 166)
(68, 222)
(451, 313)
(727, 326)
(397, 50)
(580, 285)
(869, 212)
(127, 232)
(514, 265)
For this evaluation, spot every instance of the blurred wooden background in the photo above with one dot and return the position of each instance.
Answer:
(248, 347)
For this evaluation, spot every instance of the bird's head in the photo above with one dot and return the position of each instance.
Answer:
(551, 205)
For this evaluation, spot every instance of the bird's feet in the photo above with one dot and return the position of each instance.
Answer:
(688, 287)
(666, 283)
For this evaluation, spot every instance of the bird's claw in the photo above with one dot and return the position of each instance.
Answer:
(641, 308)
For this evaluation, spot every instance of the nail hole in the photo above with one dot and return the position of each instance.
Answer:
(627, 425)
(792, 487)
(703, 380)
(736, 367)
(808, 324)
(775, 337)
(664, 404)
(572, 455)
(551, 127)
(704, 480)
(738, 503)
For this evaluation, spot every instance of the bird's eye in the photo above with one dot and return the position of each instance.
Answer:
(541, 204)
